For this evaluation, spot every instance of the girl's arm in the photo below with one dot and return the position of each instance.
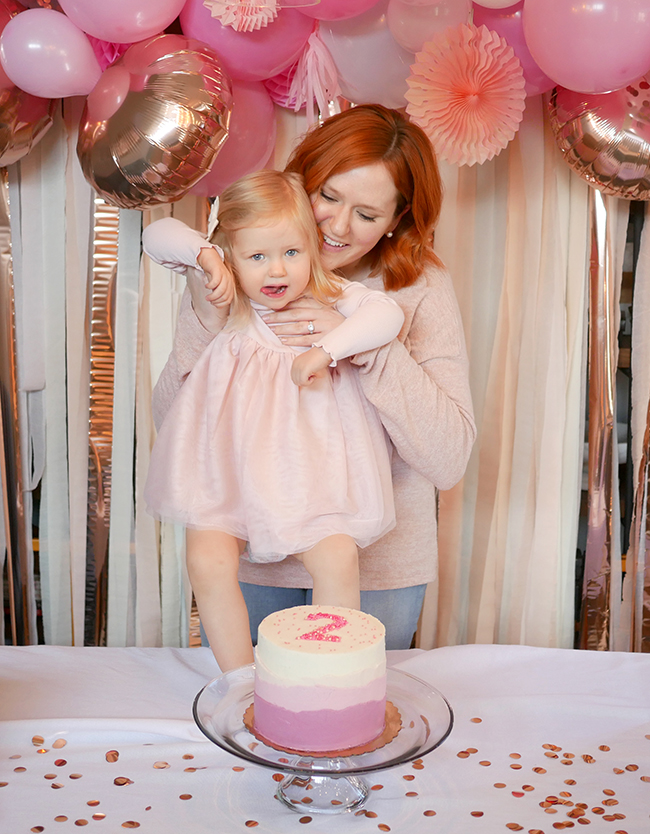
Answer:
(420, 387)
(372, 319)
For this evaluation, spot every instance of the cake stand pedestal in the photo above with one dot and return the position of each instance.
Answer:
(323, 785)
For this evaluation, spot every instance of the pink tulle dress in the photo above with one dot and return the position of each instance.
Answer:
(246, 451)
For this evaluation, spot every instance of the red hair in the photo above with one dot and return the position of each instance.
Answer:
(365, 135)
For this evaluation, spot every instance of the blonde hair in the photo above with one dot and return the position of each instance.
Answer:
(260, 199)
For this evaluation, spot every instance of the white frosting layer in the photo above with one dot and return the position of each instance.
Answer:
(355, 659)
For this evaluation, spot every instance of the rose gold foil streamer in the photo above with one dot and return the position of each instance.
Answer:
(10, 457)
(596, 610)
(639, 550)
(100, 430)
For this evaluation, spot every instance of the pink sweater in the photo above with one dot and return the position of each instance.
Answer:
(419, 385)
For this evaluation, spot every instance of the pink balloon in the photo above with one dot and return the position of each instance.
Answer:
(331, 9)
(122, 21)
(507, 22)
(250, 142)
(372, 66)
(8, 8)
(412, 25)
(589, 47)
(45, 54)
(249, 56)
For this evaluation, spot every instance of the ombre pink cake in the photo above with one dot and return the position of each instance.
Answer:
(320, 678)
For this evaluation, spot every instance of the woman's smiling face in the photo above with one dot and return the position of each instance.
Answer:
(354, 210)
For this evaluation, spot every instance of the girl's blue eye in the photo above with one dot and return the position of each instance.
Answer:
(292, 252)
(257, 257)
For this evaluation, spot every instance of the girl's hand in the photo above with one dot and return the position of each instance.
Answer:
(309, 366)
(211, 309)
(291, 325)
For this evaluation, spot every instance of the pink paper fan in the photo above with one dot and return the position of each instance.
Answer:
(466, 90)
(106, 52)
(243, 15)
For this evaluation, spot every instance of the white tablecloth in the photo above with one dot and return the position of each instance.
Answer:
(543, 740)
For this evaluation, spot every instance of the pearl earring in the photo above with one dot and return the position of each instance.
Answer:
(389, 234)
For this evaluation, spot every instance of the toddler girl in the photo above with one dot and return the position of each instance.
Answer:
(265, 443)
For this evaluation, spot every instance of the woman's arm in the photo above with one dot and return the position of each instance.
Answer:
(420, 387)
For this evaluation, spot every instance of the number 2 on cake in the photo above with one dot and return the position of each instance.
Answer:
(323, 633)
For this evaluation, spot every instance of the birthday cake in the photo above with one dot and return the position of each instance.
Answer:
(320, 678)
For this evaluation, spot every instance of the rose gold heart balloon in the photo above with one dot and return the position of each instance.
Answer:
(153, 125)
(606, 138)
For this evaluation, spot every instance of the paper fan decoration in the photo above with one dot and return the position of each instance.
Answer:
(106, 52)
(466, 90)
(313, 77)
(243, 15)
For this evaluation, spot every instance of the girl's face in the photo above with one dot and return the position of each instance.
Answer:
(353, 211)
(272, 262)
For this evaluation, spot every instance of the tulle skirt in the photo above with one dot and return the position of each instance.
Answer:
(246, 451)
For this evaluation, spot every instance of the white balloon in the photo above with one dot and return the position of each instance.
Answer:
(413, 24)
(372, 67)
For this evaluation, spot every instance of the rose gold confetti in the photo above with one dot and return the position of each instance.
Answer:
(551, 755)
(499, 784)
(569, 781)
(515, 766)
(609, 792)
(587, 758)
(253, 745)
(307, 800)
(411, 793)
(304, 820)
(472, 750)
(112, 756)
(610, 818)
(604, 748)
(618, 770)
(20, 769)
(92, 802)
(49, 776)
(564, 824)
(16, 756)
(161, 765)
(99, 816)
(518, 793)
(188, 756)
(550, 810)
(59, 743)
(130, 824)
(476, 720)
(417, 761)
(584, 821)
(60, 763)
(539, 770)
(476, 813)
(56, 785)
(410, 777)
(371, 815)
(463, 754)
(527, 788)
(428, 813)
(278, 777)
(383, 827)
(645, 778)
(567, 761)
(122, 780)
(632, 767)
(148, 808)
(185, 796)
(251, 823)
(412, 724)
(283, 760)
(335, 802)
(597, 810)
(60, 818)
(535, 831)
(565, 793)
(417, 766)
(81, 822)
(3, 784)
(75, 776)
(619, 816)
(609, 802)
(377, 788)
(485, 763)
(38, 741)
(236, 768)
(574, 813)
(552, 798)
(37, 829)
(582, 805)
(514, 826)
(515, 755)
(42, 750)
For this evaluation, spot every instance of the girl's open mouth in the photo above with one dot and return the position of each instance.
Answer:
(275, 292)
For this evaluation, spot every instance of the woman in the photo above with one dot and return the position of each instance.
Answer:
(376, 193)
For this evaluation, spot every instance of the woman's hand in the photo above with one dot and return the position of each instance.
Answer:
(211, 309)
(309, 366)
(291, 325)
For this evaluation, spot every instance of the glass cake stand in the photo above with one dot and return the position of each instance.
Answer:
(330, 785)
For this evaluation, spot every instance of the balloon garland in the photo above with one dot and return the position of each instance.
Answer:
(307, 53)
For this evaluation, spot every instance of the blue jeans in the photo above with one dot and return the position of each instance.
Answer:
(398, 609)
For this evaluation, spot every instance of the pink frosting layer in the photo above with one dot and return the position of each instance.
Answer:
(294, 698)
(320, 730)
